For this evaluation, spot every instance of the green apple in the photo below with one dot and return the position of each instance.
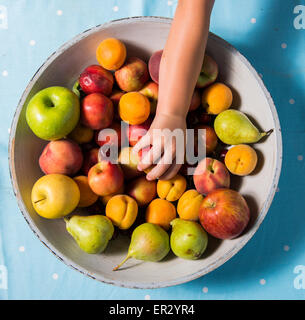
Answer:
(53, 113)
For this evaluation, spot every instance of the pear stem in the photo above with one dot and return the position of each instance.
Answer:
(119, 265)
(267, 133)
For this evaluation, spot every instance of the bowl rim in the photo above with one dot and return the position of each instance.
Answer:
(134, 284)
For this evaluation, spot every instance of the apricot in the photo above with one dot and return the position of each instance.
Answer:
(172, 189)
(122, 210)
(142, 190)
(241, 160)
(160, 212)
(87, 196)
(105, 199)
(111, 54)
(189, 204)
(217, 98)
(134, 108)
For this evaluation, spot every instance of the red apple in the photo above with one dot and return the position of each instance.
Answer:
(224, 213)
(105, 178)
(208, 73)
(196, 100)
(96, 111)
(61, 156)
(137, 131)
(90, 159)
(133, 75)
(115, 98)
(154, 65)
(207, 138)
(150, 90)
(209, 175)
(96, 79)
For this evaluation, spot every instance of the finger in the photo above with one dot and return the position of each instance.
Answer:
(171, 172)
(142, 143)
(165, 162)
(151, 157)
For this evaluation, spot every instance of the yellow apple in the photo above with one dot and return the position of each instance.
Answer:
(55, 196)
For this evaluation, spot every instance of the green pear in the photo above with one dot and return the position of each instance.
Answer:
(234, 127)
(149, 242)
(91, 233)
(188, 239)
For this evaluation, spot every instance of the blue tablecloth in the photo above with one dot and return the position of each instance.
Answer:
(272, 265)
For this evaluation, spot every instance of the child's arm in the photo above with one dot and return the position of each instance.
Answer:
(179, 70)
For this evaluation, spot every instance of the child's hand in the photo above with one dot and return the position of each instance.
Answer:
(167, 150)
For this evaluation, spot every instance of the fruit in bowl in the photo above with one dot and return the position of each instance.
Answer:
(105, 178)
(53, 113)
(111, 53)
(61, 156)
(96, 111)
(54, 196)
(112, 255)
(210, 174)
(208, 73)
(224, 213)
(149, 242)
(96, 79)
(132, 75)
(188, 239)
(91, 233)
(134, 108)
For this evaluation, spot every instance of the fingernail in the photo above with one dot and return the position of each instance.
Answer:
(139, 168)
(148, 177)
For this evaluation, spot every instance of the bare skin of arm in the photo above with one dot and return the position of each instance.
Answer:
(179, 70)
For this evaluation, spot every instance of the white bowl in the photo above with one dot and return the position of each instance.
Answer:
(142, 36)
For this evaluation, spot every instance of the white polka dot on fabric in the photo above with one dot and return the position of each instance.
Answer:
(169, 3)
(300, 157)
(147, 297)
(21, 249)
(55, 276)
(59, 12)
(205, 289)
(115, 8)
(284, 45)
(262, 281)
(32, 43)
(4, 73)
(286, 248)
(9, 130)
(292, 101)
(253, 20)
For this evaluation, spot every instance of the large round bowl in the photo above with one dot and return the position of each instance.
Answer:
(142, 36)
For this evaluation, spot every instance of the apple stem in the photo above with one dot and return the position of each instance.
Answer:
(119, 265)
